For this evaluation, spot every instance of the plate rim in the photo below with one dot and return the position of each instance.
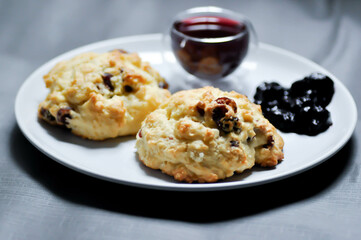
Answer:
(186, 186)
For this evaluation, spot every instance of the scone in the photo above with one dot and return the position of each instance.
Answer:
(205, 134)
(101, 96)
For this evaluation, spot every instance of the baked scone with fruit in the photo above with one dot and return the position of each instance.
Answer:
(102, 95)
(203, 135)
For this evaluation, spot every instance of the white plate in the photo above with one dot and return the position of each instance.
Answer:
(116, 160)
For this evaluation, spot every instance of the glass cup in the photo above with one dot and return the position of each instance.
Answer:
(210, 42)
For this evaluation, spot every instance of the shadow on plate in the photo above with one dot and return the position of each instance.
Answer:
(64, 135)
(200, 207)
(152, 172)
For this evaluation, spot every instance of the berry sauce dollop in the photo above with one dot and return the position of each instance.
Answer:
(301, 108)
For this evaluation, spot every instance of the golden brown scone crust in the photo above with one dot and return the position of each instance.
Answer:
(101, 96)
(205, 134)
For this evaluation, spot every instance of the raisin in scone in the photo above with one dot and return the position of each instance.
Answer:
(205, 134)
(100, 96)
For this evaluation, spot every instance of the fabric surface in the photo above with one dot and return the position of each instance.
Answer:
(41, 199)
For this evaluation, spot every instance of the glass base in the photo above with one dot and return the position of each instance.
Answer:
(237, 81)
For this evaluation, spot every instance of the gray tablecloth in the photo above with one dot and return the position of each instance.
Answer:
(41, 199)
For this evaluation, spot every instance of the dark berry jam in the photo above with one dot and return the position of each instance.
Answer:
(301, 108)
(209, 47)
